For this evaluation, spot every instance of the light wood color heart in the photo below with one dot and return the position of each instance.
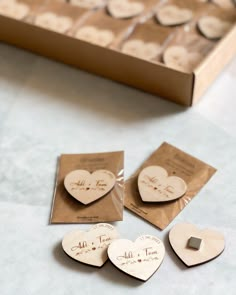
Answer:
(141, 49)
(124, 8)
(14, 9)
(225, 3)
(88, 3)
(178, 58)
(140, 259)
(212, 244)
(95, 36)
(171, 15)
(53, 22)
(155, 186)
(86, 187)
(212, 27)
(90, 247)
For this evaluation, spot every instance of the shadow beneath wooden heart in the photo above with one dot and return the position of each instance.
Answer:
(170, 252)
(66, 261)
(116, 276)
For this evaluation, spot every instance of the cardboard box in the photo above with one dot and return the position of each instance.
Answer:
(182, 88)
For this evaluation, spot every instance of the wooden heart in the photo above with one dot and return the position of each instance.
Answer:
(51, 21)
(213, 27)
(13, 9)
(224, 3)
(155, 186)
(124, 8)
(140, 259)
(87, 188)
(141, 49)
(171, 15)
(212, 243)
(88, 3)
(90, 247)
(95, 36)
(177, 57)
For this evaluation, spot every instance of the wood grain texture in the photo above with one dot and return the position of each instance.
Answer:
(212, 244)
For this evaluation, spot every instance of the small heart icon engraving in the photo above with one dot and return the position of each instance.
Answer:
(90, 247)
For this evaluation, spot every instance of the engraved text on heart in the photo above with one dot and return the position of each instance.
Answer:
(155, 184)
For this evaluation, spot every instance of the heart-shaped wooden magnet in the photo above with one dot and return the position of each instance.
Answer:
(86, 187)
(194, 246)
(141, 49)
(95, 36)
(51, 21)
(212, 27)
(171, 15)
(140, 259)
(88, 3)
(178, 58)
(155, 186)
(14, 9)
(124, 8)
(90, 247)
(225, 3)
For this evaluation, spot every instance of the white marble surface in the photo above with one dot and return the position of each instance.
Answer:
(46, 109)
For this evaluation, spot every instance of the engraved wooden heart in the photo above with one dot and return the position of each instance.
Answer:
(124, 8)
(212, 243)
(177, 57)
(88, 3)
(87, 188)
(155, 186)
(141, 49)
(90, 247)
(140, 259)
(51, 21)
(171, 15)
(95, 36)
(213, 27)
(13, 9)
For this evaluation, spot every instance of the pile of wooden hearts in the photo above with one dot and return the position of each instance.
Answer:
(155, 185)
(177, 56)
(141, 258)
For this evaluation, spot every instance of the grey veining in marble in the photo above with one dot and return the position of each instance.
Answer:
(46, 109)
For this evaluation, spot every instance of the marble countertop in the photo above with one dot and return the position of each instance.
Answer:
(46, 109)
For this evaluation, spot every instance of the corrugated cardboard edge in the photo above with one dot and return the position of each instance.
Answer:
(150, 77)
(209, 69)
